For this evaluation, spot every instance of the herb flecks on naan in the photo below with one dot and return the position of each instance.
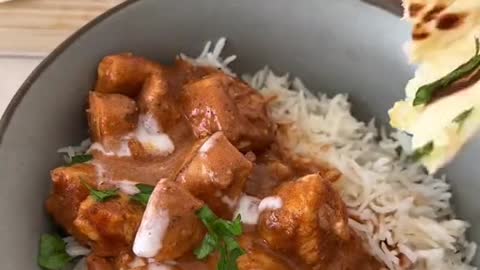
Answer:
(441, 108)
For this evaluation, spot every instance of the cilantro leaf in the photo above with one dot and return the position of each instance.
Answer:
(52, 254)
(101, 195)
(145, 188)
(422, 151)
(236, 226)
(141, 198)
(234, 252)
(228, 228)
(144, 195)
(55, 261)
(223, 260)
(80, 159)
(221, 236)
(426, 93)
(460, 119)
(206, 215)
(209, 245)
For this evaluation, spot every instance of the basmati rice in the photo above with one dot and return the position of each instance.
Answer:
(399, 210)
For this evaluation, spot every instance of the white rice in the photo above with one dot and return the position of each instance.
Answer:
(212, 57)
(81, 264)
(71, 151)
(397, 208)
(74, 249)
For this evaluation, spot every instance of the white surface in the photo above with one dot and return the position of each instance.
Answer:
(13, 72)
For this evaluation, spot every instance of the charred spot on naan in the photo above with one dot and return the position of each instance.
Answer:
(431, 17)
(414, 9)
(419, 32)
(433, 13)
(450, 21)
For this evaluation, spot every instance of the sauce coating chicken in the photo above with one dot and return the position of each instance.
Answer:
(218, 102)
(124, 74)
(312, 224)
(216, 174)
(68, 193)
(169, 141)
(110, 117)
(156, 99)
(109, 226)
(169, 226)
(258, 256)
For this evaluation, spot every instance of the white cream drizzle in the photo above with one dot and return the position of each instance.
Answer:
(126, 186)
(149, 239)
(248, 209)
(103, 178)
(150, 234)
(229, 201)
(122, 151)
(148, 133)
(270, 203)
(209, 143)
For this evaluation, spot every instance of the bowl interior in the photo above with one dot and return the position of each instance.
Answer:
(335, 46)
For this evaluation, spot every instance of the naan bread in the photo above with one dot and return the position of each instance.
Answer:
(443, 38)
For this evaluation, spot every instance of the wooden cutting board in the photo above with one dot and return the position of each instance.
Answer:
(35, 27)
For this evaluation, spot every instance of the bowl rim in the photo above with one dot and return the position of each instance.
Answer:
(48, 60)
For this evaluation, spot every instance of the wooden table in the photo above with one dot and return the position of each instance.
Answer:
(35, 27)
(30, 29)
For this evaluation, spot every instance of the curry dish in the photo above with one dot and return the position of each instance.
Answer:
(179, 148)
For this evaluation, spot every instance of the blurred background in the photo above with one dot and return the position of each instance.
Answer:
(30, 29)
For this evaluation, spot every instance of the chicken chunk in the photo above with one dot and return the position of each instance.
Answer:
(155, 99)
(95, 262)
(219, 102)
(169, 227)
(111, 116)
(304, 166)
(184, 72)
(258, 257)
(124, 74)
(312, 221)
(269, 171)
(68, 193)
(110, 226)
(312, 225)
(216, 174)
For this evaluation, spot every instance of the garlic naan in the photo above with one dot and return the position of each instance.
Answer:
(444, 36)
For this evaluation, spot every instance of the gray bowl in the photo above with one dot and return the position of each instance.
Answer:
(335, 45)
